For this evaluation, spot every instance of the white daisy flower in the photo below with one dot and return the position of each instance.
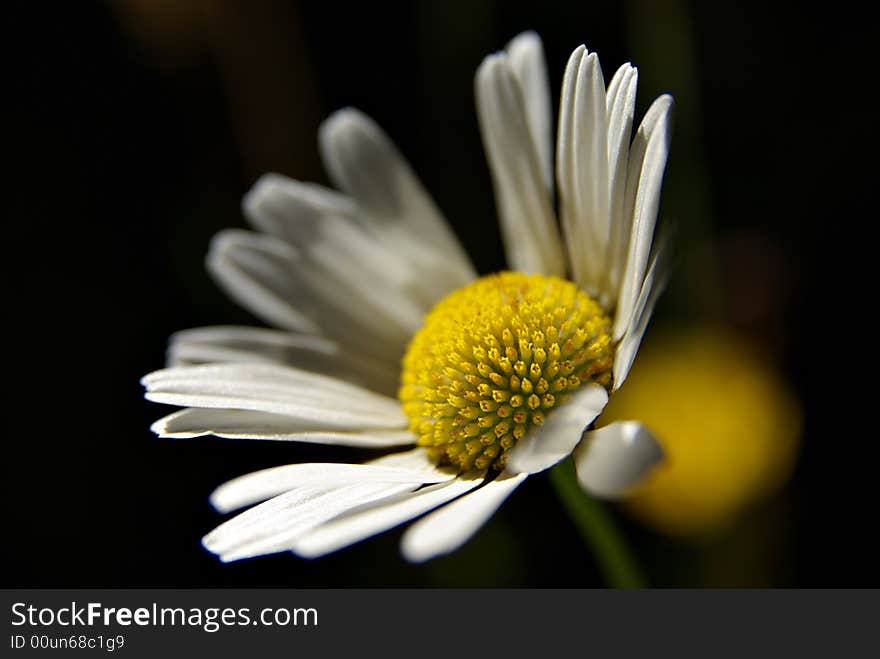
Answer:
(387, 338)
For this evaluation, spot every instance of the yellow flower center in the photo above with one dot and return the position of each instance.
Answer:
(493, 358)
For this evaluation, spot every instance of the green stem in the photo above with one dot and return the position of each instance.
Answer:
(597, 528)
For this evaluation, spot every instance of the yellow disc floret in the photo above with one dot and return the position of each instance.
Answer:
(494, 358)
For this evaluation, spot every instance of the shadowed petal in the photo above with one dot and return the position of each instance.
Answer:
(276, 282)
(328, 230)
(223, 343)
(363, 162)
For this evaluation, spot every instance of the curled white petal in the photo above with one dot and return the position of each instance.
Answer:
(613, 459)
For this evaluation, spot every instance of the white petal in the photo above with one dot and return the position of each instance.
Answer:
(526, 55)
(327, 232)
(620, 104)
(255, 272)
(309, 397)
(255, 344)
(613, 459)
(615, 86)
(415, 459)
(545, 445)
(647, 162)
(653, 286)
(261, 485)
(286, 380)
(269, 277)
(313, 414)
(446, 529)
(528, 224)
(245, 424)
(582, 169)
(363, 162)
(273, 525)
(280, 206)
(356, 526)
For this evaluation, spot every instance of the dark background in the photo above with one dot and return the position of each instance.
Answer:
(137, 126)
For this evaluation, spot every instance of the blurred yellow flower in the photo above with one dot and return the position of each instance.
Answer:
(730, 428)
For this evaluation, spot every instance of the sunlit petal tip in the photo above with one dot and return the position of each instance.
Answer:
(160, 427)
(340, 139)
(264, 189)
(345, 138)
(611, 460)
(231, 249)
(658, 120)
(342, 119)
(228, 239)
(265, 184)
(577, 54)
(665, 102)
(489, 64)
(526, 39)
(207, 543)
(664, 106)
(275, 198)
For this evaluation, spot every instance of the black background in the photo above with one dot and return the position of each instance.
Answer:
(131, 143)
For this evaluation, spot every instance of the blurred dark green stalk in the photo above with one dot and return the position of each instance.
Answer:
(597, 528)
